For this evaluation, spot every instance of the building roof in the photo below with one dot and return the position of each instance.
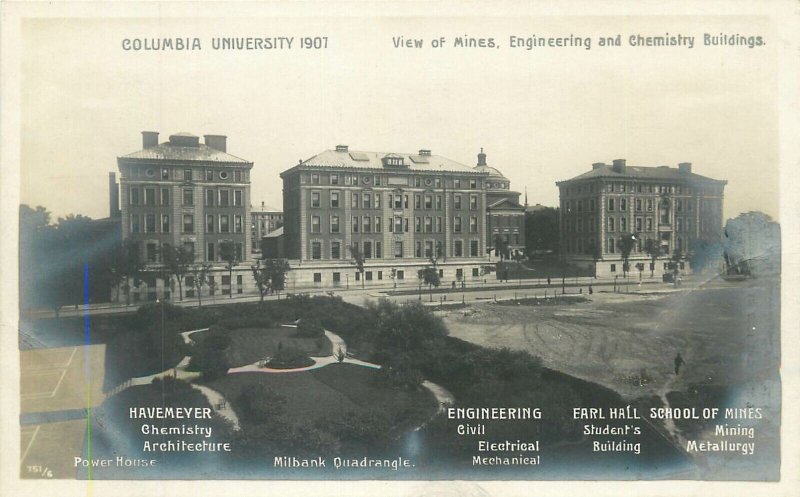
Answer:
(505, 203)
(640, 172)
(351, 159)
(264, 208)
(493, 172)
(200, 152)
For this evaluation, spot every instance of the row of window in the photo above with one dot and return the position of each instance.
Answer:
(166, 173)
(219, 197)
(376, 180)
(628, 187)
(154, 254)
(621, 224)
(587, 246)
(373, 224)
(160, 223)
(396, 201)
(399, 275)
(373, 249)
(621, 204)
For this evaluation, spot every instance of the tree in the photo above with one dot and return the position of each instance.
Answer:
(393, 276)
(126, 265)
(541, 230)
(500, 247)
(35, 234)
(626, 244)
(228, 252)
(653, 250)
(200, 278)
(270, 275)
(429, 275)
(177, 261)
(358, 261)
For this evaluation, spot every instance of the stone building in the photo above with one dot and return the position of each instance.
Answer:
(669, 209)
(505, 217)
(398, 210)
(263, 221)
(185, 193)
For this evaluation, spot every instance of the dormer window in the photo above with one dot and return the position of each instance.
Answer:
(393, 160)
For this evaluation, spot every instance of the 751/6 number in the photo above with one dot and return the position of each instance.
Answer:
(316, 42)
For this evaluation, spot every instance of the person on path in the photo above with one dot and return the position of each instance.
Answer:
(678, 363)
(590, 290)
(548, 281)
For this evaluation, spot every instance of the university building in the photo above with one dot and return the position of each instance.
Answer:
(185, 193)
(397, 210)
(670, 208)
(505, 217)
(263, 221)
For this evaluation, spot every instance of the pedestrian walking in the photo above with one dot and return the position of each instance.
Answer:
(590, 290)
(678, 363)
(548, 281)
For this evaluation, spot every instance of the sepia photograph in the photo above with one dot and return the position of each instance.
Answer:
(447, 249)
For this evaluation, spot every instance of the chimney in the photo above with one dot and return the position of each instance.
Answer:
(341, 148)
(685, 167)
(113, 196)
(619, 166)
(149, 139)
(481, 158)
(425, 152)
(217, 142)
(598, 165)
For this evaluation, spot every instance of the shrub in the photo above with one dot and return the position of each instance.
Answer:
(209, 356)
(309, 328)
(289, 358)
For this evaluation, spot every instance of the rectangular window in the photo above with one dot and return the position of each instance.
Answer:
(456, 183)
(368, 275)
(473, 202)
(336, 250)
(209, 198)
(238, 198)
(150, 223)
(458, 248)
(473, 184)
(135, 223)
(367, 224)
(334, 224)
(237, 176)
(152, 252)
(439, 202)
(209, 175)
(611, 246)
(165, 223)
(210, 223)
(188, 223)
(378, 253)
(224, 224)
(457, 201)
(187, 175)
(638, 224)
(428, 248)
(623, 204)
(316, 250)
(623, 224)
(418, 249)
(366, 201)
(314, 178)
(367, 249)
(224, 198)
(188, 196)
(134, 196)
(210, 252)
(473, 248)
(355, 224)
(405, 224)
(354, 201)
(649, 205)
(377, 224)
(334, 179)
(165, 196)
(164, 173)
(405, 201)
(679, 205)
(428, 202)
(398, 224)
(611, 224)
(315, 199)
(237, 223)
(417, 225)
(439, 250)
(438, 224)
(473, 224)
(638, 204)
(437, 182)
(398, 252)
(149, 196)
(428, 225)
(377, 198)
(334, 200)
(613, 268)
(418, 201)
(456, 224)
(611, 204)
(649, 226)
(315, 224)
(417, 181)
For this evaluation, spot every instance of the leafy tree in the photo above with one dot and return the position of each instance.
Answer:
(358, 260)
(177, 261)
(35, 235)
(200, 278)
(229, 254)
(501, 247)
(393, 276)
(541, 230)
(429, 275)
(408, 328)
(270, 275)
(653, 250)
(126, 265)
(626, 244)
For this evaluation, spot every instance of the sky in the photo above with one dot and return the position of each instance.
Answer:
(541, 115)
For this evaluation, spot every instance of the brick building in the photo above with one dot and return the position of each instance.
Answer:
(185, 193)
(671, 208)
(397, 209)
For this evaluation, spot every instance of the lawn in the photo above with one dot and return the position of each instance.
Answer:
(249, 345)
(337, 388)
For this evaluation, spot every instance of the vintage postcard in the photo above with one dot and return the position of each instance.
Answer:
(416, 249)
